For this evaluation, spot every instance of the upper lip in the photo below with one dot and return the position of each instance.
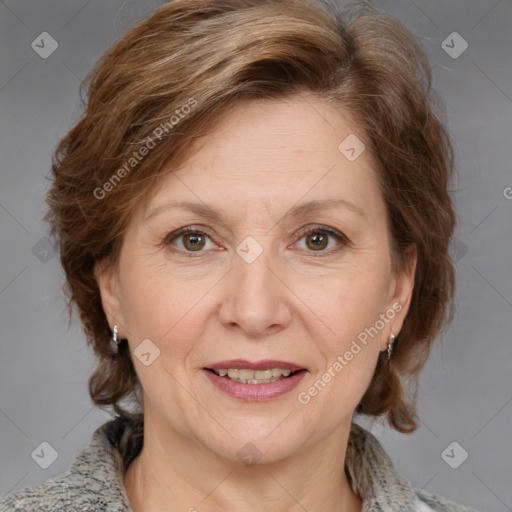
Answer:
(265, 364)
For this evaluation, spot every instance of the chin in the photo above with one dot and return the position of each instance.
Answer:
(255, 446)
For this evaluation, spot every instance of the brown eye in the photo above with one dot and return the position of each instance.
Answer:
(323, 240)
(317, 241)
(189, 240)
(193, 241)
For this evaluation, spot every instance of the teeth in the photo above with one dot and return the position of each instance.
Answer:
(244, 374)
(247, 376)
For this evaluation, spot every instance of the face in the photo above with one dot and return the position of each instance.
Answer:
(271, 281)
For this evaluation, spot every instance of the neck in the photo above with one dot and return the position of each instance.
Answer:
(174, 469)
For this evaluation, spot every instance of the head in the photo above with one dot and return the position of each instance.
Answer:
(244, 107)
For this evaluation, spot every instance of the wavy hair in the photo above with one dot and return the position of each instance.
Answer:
(218, 53)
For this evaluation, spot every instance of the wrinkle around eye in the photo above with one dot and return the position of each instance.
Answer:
(174, 239)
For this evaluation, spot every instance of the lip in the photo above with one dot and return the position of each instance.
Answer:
(255, 392)
(264, 364)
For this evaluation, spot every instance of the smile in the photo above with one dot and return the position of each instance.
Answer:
(265, 380)
(247, 376)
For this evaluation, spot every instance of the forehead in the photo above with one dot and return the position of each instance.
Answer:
(275, 152)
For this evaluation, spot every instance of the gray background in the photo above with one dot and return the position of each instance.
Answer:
(466, 388)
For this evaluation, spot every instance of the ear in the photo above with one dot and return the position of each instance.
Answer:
(401, 289)
(107, 277)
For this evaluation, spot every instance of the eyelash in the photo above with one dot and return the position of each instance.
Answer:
(301, 233)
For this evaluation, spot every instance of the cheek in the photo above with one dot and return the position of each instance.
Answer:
(147, 298)
(348, 310)
(161, 304)
(348, 301)
(347, 306)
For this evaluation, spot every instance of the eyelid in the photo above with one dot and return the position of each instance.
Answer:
(186, 229)
(169, 238)
(326, 229)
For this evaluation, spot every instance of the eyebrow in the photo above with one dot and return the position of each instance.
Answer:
(298, 211)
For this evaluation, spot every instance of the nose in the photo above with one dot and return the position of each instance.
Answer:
(256, 297)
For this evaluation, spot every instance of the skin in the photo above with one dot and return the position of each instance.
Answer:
(290, 304)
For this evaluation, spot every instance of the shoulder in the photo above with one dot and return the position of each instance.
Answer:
(93, 482)
(429, 502)
(57, 494)
(374, 477)
(68, 492)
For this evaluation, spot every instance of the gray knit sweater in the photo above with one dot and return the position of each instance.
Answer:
(94, 481)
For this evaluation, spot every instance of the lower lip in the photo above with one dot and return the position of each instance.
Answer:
(255, 392)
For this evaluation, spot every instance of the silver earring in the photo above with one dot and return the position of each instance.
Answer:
(391, 342)
(114, 342)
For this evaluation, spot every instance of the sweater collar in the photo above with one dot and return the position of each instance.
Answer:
(371, 472)
(373, 475)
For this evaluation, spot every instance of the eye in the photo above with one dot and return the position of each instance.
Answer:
(317, 238)
(192, 240)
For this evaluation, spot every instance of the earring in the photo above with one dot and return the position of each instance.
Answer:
(114, 342)
(391, 342)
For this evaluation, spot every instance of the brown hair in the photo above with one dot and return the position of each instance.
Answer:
(178, 73)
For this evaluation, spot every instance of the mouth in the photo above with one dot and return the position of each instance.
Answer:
(255, 381)
(260, 372)
(248, 376)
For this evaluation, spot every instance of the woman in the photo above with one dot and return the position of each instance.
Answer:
(254, 222)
